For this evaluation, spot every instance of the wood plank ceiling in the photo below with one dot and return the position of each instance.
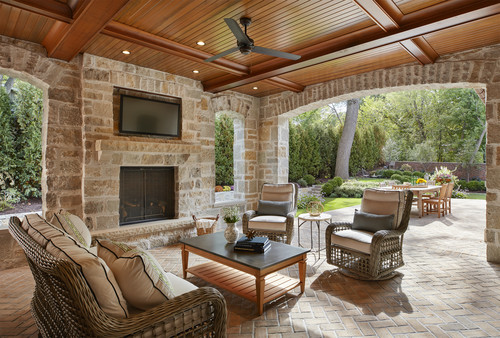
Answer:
(335, 38)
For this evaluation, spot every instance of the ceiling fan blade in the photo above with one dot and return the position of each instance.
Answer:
(274, 52)
(237, 32)
(215, 57)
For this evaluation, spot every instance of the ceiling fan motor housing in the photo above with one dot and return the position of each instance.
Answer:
(245, 48)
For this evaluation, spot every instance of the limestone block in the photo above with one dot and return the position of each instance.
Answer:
(492, 216)
(101, 188)
(62, 94)
(96, 75)
(493, 253)
(70, 115)
(94, 207)
(108, 222)
(149, 159)
(62, 183)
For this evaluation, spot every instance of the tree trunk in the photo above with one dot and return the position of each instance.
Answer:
(345, 143)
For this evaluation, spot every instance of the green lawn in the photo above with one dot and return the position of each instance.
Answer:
(336, 203)
(476, 196)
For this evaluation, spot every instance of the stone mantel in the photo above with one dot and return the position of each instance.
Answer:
(172, 147)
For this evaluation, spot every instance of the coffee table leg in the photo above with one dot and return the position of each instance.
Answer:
(185, 259)
(302, 273)
(260, 284)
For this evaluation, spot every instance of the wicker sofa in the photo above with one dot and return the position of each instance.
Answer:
(64, 305)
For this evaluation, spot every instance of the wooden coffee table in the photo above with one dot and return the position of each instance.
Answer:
(249, 275)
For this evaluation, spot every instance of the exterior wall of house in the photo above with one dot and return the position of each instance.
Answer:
(479, 68)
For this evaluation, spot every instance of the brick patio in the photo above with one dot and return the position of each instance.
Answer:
(445, 289)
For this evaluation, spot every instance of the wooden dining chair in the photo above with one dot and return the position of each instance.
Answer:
(436, 205)
(449, 193)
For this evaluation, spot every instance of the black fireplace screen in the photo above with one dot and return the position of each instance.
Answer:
(146, 194)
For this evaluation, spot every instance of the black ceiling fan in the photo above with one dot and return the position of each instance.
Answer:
(245, 44)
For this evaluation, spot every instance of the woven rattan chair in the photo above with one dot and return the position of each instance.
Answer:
(63, 304)
(277, 228)
(384, 253)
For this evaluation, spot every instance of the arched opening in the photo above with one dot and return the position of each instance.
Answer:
(23, 128)
(230, 165)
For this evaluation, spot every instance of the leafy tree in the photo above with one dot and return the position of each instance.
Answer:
(21, 109)
(224, 140)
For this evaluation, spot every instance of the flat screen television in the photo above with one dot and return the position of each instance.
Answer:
(149, 117)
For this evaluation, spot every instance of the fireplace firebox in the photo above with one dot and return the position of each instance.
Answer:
(146, 194)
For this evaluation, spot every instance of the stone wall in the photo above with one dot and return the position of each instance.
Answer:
(479, 68)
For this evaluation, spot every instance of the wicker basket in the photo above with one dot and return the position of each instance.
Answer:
(205, 230)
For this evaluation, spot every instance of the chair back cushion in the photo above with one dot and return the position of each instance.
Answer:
(279, 192)
(277, 208)
(384, 202)
(74, 226)
(372, 222)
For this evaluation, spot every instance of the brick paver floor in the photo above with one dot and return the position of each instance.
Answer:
(446, 289)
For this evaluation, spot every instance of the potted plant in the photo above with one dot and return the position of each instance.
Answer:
(231, 215)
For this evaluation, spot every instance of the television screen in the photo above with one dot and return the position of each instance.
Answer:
(151, 117)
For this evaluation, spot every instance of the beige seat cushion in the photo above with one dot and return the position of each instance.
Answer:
(272, 223)
(95, 271)
(384, 202)
(142, 280)
(40, 230)
(74, 226)
(357, 240)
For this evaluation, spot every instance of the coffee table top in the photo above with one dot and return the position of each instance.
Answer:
(216, 244)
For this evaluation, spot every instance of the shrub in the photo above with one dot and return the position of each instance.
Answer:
(388, 173)
(406, 167)
(304, 200)
(336, 181)
(353, 189)
(302, 183)
(472, 185)
(397, 177)
(309, 179)
(418, 174)
(459, 194)
(327, 189)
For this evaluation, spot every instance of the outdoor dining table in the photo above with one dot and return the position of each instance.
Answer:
(418, 192)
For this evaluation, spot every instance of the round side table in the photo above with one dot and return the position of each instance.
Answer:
(323, 217)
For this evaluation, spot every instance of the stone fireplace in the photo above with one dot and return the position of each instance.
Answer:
(146, 194)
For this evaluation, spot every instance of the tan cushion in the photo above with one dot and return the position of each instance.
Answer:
(357, 240)
(384, 202)
(39, 229)
(95, 271)
(278, 192)
(273, 223)
(74, 226)
(179, 285)
(141, 278)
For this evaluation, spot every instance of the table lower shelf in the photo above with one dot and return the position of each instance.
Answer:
(243, 284)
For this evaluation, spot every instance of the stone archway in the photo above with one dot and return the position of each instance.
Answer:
(479, 68)
(62, 121)
(243, 110)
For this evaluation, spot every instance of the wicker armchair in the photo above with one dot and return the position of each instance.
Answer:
(376, 259)
(63, 304)
(277, 227)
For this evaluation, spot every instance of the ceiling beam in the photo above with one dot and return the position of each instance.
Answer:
(142, 38)
(383, 12)
(285, 84)
(49, 8)
(420, 49)
(64, 41)
(441, 16)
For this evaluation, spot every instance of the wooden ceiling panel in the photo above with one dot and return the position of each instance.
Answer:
(23, 25)
(112, 48)
(263, 89)
(383, 57)
(471, 35)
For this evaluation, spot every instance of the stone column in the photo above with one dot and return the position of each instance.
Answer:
(492, 232)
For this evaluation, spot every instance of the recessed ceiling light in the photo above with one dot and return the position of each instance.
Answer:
(126, 52)
(255, 88)
(200, 43)
(196, 71)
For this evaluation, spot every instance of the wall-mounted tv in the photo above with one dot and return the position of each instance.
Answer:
(149, 117)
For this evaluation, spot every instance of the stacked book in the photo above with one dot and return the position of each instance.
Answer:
(256, 244)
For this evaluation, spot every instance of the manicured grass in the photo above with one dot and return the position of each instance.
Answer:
(366, 179)
(476, 196)
(335, 203)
